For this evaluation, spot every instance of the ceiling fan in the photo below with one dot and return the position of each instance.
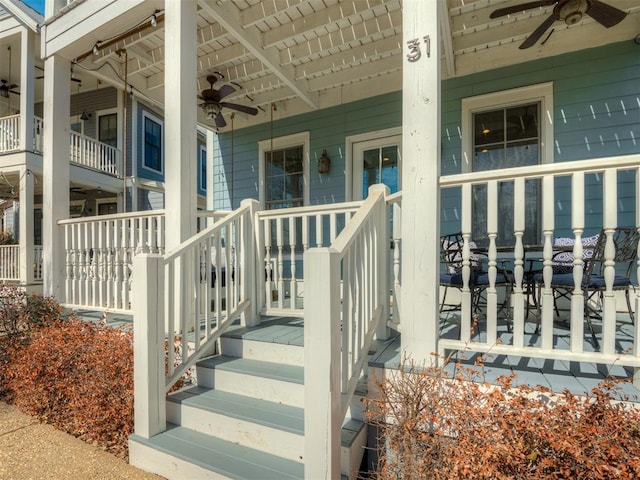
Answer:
(6, 89)
(213, 104)
(569, 11)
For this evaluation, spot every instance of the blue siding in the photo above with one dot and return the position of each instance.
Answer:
(327, 129)
(596, 114)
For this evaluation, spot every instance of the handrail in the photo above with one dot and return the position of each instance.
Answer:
(184, 301)
(340, 324)
(112, 216)
(536, 171)
(308, 210)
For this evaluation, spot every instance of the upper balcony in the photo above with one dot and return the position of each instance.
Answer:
(84, 151)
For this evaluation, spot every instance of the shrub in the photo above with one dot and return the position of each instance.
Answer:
(6, 238)
(78, 376)
(20, 312)
(441, 428)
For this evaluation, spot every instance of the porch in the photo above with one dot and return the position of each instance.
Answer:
(84, 151)
(330, 269)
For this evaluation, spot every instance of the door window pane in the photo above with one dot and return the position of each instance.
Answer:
(380, 165)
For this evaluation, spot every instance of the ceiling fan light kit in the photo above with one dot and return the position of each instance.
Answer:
(212, 101)
(568, 11)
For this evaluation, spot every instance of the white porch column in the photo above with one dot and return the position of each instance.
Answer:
(27, 88)
(55, 172)
(26, 226)
(180, 120)
(420, 174)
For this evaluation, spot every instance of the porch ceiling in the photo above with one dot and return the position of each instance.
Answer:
(309, 54)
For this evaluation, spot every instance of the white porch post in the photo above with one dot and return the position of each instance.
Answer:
(180, 120)
(26, 226)
(55, 172)
(27, 89)
(420, 174)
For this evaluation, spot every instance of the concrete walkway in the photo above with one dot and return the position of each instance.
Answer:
(30, 450)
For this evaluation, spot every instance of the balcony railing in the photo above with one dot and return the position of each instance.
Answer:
(10, 263)
(581, 197)
(90, 153)
(84, 151)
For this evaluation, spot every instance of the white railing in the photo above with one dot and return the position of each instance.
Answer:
(10, 133)
(544, 345)
(37, 263)
(99, 256)
(283, 237)
(89, 152)
(395, 204)
(9, 263)
(348, 307)
(188, 298)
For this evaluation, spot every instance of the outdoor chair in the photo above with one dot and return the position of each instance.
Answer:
(451, 275)
(593, 282)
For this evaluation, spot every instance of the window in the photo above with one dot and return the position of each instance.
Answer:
(284, 171)
(505, 130)
(152, 153)
(203, 168)
(284, 178)
(107, 208)
(108, 129)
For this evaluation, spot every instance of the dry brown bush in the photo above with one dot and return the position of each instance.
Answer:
(435, 427)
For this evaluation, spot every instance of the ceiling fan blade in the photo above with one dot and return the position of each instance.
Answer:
(240, 108)
(605, 14)
(501, 12)
(225, 90)
(220, 121)
(537, 33)
(15, 93)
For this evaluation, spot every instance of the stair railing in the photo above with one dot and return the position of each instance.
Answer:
(183, 302)
(346, 307)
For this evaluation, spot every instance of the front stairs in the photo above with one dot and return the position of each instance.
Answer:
(245, 418)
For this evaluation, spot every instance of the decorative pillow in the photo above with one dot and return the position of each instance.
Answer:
(456, 264)
(565, 259)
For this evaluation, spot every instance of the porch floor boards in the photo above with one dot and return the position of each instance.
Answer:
(578, 377)
(556, 375)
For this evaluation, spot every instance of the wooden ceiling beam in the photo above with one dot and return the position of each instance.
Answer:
(230, 19)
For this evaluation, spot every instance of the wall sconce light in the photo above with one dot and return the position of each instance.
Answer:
(154, 20)
(85, 115)
(96, 50)
(324, 162)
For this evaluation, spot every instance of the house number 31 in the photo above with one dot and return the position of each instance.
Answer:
(414, 48)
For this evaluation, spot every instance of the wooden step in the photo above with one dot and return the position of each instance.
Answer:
(259, 424)
(183, 454)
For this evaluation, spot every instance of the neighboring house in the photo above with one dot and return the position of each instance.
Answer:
(512, 147)
(97, 134)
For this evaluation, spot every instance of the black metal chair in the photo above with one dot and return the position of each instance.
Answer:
(451, 275)
(593, 283)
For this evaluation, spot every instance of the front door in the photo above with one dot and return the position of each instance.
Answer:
(376, 161)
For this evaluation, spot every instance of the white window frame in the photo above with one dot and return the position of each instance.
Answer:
(542, 93)
(100, 201)
(353, 170)
(151, 116)
(264, 146)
